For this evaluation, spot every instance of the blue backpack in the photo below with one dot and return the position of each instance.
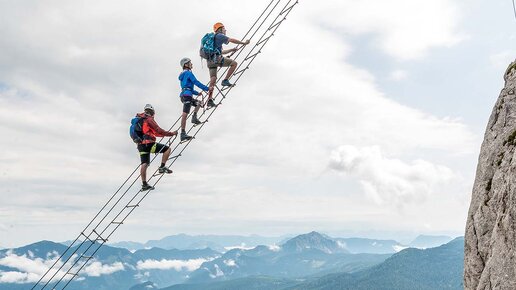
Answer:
(208, 50)
(136, 129)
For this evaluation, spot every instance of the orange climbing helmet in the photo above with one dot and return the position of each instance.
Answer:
(217, 25)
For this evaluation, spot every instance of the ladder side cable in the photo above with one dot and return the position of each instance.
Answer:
(514, 9)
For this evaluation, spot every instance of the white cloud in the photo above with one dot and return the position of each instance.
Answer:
(398, 75)
(96, 269)
(218, 272)
(398, 248)
(403, 29)
(30, 269)
(18, 277)
(387, 180)
(230, 263)
(242, 247)
(341, 244)
(178, 265)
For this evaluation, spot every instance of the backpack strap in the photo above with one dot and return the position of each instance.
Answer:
(144, 119)
(216, 49)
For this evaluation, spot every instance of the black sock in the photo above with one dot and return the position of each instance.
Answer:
(145, 183)
(162, 164)
(183, 131)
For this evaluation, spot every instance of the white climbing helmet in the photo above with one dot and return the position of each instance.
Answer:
(184, 61)
(148, 107)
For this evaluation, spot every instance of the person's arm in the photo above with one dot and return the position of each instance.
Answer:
(227, 40)
(157, 129)
(236, 41)
(198, 84)
(226, 51)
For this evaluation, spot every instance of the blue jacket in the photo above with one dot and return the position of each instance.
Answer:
(188, 81)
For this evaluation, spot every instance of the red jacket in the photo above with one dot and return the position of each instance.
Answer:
(151, 129)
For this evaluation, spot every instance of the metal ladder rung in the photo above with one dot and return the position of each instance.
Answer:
(117, 223)
(99, 238)
(274, 25)
(221, 91)
(289, 8)
(254, 55)
(265, 39)
(73, 274)
(184, 141)
(241, 71)
(87, 238)
(132, 205)
(86, 257)
(178, 155)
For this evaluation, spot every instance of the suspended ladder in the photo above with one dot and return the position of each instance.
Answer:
(128, 196)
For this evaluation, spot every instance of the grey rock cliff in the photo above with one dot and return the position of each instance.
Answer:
(490, 239)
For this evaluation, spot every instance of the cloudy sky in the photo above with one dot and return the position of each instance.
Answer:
(360, 118)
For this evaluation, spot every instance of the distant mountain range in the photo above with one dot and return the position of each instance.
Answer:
(248, 283)
(220, 243)
(302, 261)
(370, 246)
(300, 256)
(224, 243)
(436, 268)
(430, 269)
(426, 241)
(111, 268)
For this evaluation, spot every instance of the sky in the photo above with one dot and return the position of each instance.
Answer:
(360, 118)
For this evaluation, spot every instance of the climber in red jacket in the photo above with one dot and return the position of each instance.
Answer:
(148, 145)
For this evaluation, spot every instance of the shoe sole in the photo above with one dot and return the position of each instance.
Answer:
(163, 172)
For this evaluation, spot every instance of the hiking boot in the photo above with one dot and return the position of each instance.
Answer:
(226, 83)
(185, 137)
(195, 120)
(211, 103)
(163, 169)
(146, 187)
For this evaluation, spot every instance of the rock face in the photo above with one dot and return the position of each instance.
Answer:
(490, 239)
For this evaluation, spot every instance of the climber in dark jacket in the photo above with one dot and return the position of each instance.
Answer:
(220, 60)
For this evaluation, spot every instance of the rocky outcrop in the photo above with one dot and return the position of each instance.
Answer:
(490, 239)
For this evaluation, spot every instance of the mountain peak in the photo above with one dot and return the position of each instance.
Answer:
(311, 241)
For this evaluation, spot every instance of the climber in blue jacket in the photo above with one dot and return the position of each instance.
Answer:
(188, 80)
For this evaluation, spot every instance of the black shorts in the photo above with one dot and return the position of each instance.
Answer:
(146, 149)
(188, 102)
